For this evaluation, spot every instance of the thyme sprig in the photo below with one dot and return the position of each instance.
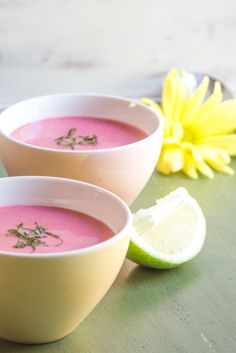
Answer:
(32, 237)
(71, 140)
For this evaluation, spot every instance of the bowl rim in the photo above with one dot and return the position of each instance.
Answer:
(158, 129)
(80, 251)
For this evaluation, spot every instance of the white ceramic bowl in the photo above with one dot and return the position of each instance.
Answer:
(43, 297)
(123, 170)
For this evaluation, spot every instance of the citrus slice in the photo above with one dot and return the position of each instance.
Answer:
(169, 233)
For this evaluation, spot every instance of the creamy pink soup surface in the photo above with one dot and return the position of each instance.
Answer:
(78, 133)
(47, 229)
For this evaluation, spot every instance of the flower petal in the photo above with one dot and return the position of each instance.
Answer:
(220, 167)
(180, 98)
(189, 167)
(223, 156)
(151, 103)
(207, 107)
(225, 142)
(205, 170)
(169, 93)
(177, 131)
(201, 165)
(171, 160)
(222, 120)
(195, 101)
(162, 166)
(176, 160)
(214, 154)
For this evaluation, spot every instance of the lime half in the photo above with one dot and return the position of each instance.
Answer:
(168, 234)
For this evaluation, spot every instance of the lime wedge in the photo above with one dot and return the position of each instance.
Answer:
(168, 234)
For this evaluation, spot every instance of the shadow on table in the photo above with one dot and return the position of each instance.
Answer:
(140, 288)
(11, 347)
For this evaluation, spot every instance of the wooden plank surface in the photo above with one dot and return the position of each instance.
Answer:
(113, 47)
(190, 309)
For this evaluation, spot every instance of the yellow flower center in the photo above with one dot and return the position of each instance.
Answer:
(188, 135)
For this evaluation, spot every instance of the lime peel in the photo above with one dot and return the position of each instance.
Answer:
(168, 234)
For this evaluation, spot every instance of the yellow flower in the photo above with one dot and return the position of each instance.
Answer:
(199, 132)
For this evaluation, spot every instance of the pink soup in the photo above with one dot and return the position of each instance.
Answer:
(45, 229)
(78, 133)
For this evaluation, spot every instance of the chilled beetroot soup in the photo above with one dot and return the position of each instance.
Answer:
(78, 133)
(45, 229)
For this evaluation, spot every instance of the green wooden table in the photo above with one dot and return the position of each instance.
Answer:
(189, 309)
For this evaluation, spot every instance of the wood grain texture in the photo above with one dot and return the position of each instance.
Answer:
(115, 47)
(190, 309)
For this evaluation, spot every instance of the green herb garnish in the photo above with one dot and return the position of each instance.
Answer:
(71, 140)
(32, 237)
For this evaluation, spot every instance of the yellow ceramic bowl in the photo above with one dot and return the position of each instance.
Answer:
(43, 297)
(123, 170)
